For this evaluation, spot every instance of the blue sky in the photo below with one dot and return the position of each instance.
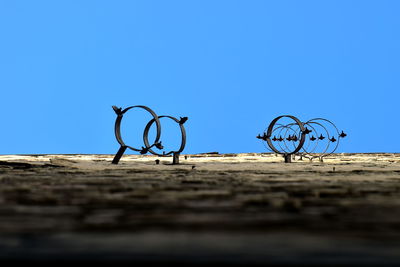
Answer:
(230, 66)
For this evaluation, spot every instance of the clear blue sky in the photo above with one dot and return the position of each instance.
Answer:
(230, 66)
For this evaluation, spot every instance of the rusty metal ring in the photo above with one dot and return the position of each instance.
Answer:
(316, 133)
(183, 134)
(269, 133)
(325, 153)
(117, 127)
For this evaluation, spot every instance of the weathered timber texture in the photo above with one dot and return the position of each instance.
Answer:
(236, 208)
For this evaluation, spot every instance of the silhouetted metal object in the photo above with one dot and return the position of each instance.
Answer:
(292, 138)
(175, 154)
(148, 147)
(287, 153)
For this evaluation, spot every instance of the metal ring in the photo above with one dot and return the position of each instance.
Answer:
(271, 126)
(324, 154)
(117, 128)
(146, 137)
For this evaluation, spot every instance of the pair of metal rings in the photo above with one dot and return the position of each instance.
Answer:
(148, 147)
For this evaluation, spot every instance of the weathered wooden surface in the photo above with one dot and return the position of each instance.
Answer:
(246, 208)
